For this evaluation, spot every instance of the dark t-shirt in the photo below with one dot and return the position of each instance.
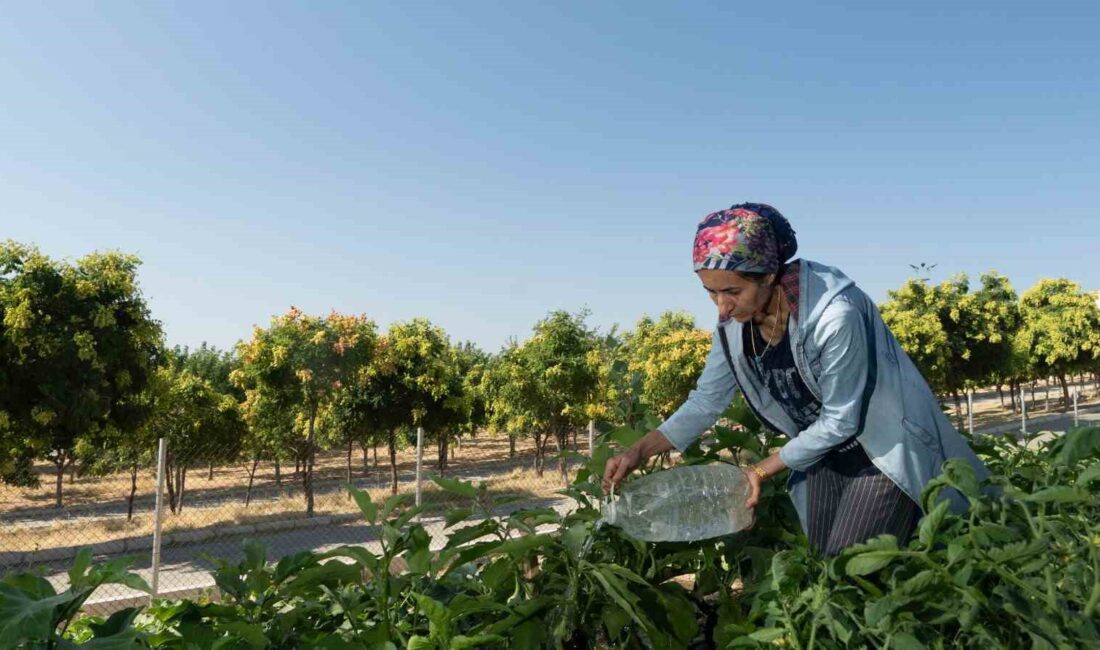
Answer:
(780, 377)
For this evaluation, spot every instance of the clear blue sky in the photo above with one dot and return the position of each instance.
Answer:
(480, 164)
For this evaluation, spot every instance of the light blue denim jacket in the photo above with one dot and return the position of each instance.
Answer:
(865, 382)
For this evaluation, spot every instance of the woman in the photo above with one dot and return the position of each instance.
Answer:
(814, 360)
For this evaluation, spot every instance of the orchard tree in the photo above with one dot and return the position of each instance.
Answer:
(79, 347)
(1061, 329)
(669, 353)
(558, 359)
(411, 382)
(300, 362)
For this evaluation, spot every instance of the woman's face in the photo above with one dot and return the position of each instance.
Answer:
(735, 296)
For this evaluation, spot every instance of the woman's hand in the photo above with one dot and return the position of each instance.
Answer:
(755, 481)
(619, 466)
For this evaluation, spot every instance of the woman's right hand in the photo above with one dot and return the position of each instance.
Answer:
(619, 466)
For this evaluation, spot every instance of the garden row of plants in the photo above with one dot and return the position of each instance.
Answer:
(1020, 569)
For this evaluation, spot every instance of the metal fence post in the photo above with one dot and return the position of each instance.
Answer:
(970, 411)
(419, 459)
(162, 455)
(1023, 412)
(1076, 392)
(591, 436)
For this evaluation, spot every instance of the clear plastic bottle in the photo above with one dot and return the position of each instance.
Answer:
(685, 503)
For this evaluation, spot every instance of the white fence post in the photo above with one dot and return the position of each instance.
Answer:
(1023, 412)
(162, 457)
(970, 411)
(419, 459)
(591, 436)
(1076, 391)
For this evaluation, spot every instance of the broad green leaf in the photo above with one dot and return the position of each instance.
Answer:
(905, 641)
(362, 556)
(392, 503)
(439, 619)
(480, 641)
(26, 618)
(1059, 494)
(468, 534)
(455, 486)
(866, 563)
(419, 554)
(931, 523)
(366, 506)
(250, 633)
(625, 436)
(1089, 474)
(768, 634)
(455, 516)
(81, 563)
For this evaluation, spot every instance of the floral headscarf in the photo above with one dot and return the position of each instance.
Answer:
(735, 240)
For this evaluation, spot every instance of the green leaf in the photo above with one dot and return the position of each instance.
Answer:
(362, 556)
(455, 486)
(439, 619)
(455, 516)
(519, 546)
(1059, 494)
(768, 634)
(1089, 474)
(81, 563)
(480, 641)
(866, 563)
(419, 554)
(905, 641)
(27, 618)
(625, 436)
(392, 503)
(1078, 444)
(250, 633)
(421, 643)
(931, 523)
(366, 506)
(470, 533)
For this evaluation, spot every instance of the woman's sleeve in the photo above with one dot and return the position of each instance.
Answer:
(705, 404)
(846, 381)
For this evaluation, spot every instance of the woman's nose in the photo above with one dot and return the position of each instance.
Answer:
(726, 306)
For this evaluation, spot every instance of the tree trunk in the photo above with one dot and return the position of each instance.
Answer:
(562, 440)
(182, 484)
(133, 491)
(366, 467)
(251, 476)
(1001, 393)
(511, 446)
(278, 474)
(170, 479)
(309, 463)
(350, 443)
(374, 450)
(210, 476)
(538, 454)
(393, 462)
(1065, 391)
(60, 463)
(442, 445)
(72, 473)
(958, 407)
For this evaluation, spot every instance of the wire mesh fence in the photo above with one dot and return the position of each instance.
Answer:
(208, 508)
